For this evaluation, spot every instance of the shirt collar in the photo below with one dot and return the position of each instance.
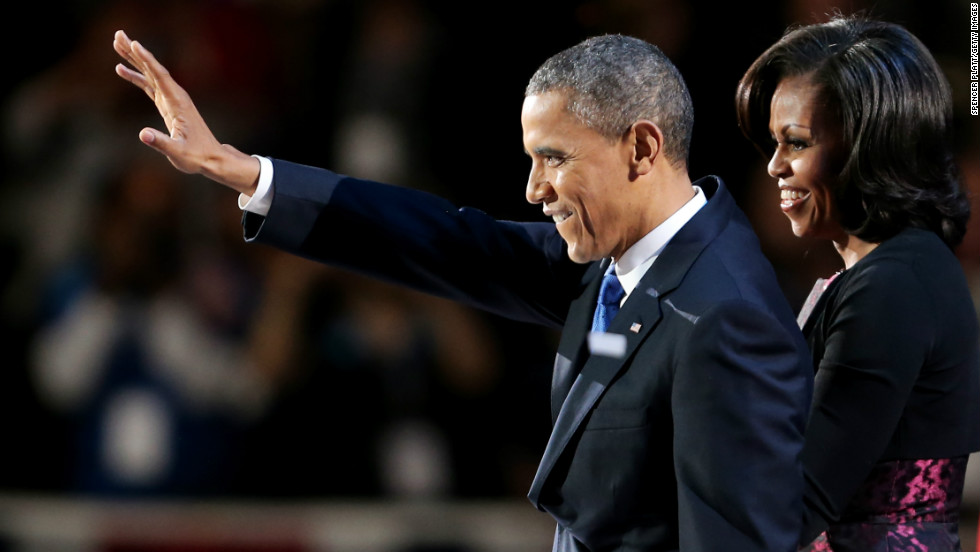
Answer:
(631, 267)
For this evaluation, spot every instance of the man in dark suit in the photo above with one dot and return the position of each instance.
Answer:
(677, 425)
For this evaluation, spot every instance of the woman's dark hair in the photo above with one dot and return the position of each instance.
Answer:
(895, 109)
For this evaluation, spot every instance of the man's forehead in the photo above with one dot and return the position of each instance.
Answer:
(549, 109)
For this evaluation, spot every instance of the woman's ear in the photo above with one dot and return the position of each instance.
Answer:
(647, 143)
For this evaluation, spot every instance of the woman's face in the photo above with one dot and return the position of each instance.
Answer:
(807, 159)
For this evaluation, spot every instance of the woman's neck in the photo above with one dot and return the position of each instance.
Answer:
(852, 249)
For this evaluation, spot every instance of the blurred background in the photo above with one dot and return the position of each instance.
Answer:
(166, 387)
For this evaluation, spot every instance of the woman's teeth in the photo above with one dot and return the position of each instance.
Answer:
(786, 193)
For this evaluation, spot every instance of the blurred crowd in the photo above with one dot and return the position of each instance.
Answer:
(151, 352)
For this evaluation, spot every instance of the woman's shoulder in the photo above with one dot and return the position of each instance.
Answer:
(914, 265)
(913, 249)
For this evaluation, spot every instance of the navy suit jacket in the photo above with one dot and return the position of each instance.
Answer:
(688, 440)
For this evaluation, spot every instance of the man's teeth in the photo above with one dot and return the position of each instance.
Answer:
(560, 217)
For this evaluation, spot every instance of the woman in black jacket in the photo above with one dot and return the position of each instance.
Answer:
(856, 116)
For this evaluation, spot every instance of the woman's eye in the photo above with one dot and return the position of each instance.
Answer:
(793, 144)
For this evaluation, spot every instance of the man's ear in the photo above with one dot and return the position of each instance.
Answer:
(647, 141)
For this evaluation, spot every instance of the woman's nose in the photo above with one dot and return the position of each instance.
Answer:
(777, 166)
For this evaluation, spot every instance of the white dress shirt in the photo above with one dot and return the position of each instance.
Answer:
(260, 202)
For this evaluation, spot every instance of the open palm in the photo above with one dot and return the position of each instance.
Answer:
(189, 144)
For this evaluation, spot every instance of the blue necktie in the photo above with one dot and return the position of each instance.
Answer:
(610, 294)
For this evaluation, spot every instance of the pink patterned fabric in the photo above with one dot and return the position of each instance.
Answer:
(819, 287)
(903, 506)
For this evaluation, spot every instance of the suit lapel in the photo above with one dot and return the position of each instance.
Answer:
(571, 348)
(638, 317)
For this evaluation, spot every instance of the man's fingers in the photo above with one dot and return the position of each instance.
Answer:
(156, 139)
(123, 46)
(138, 73)
(148, 63)
(134, 77)
(120, 43)
(181, 118)
(143, 63)
(157, 78)
(164, 144)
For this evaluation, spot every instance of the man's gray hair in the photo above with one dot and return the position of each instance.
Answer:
(612, 81)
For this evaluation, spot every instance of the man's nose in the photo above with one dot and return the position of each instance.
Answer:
(538, 189)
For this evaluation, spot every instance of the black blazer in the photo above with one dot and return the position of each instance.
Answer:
(689, 440)
(896, 346)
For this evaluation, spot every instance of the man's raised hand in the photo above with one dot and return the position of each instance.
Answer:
(190, 145)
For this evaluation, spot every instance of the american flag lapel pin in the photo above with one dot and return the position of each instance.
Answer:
(635, 328)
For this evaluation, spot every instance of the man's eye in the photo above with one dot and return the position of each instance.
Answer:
(553, 161)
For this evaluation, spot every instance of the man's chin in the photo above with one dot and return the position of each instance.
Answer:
(580, 257)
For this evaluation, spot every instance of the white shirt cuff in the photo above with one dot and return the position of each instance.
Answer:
(260, 202)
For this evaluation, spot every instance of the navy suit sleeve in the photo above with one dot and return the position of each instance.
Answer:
(738, 432)
(413, 238)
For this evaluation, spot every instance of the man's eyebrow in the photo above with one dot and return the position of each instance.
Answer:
(545, 151)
